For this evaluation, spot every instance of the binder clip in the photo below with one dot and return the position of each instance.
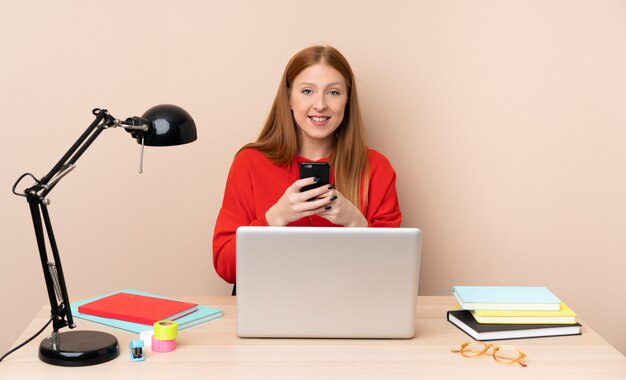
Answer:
(136, 350)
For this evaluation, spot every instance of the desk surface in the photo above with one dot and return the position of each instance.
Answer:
(213, 350)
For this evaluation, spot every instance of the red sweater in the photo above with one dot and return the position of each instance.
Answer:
(255, 184)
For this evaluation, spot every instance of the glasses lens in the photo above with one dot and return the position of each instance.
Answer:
(474, 349)
(506, 354)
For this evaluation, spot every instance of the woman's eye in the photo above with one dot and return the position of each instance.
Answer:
(307, 91)
(334, 92)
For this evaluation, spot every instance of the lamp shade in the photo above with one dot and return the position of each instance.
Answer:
(169, 125)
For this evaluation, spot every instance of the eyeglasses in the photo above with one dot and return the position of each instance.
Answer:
(502, 354)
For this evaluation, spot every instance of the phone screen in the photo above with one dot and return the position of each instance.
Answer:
(320, 170)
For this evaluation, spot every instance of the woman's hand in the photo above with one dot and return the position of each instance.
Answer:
(341, 211)
(295, 205)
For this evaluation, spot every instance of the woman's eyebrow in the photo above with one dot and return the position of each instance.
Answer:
(315, 85)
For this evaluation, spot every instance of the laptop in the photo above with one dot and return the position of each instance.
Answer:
(327, 282)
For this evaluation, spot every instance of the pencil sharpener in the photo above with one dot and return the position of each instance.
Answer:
(136, 350)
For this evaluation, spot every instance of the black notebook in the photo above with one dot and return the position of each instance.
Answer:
(464, 320)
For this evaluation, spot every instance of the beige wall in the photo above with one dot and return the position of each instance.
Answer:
(505, 120)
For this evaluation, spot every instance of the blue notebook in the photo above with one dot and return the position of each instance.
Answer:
(203, 314)
(506, 298)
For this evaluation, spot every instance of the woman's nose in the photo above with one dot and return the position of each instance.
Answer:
(320, 102)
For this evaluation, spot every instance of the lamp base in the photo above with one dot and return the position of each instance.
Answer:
(78, 348)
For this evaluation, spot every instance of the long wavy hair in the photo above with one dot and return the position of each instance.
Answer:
(280, 138)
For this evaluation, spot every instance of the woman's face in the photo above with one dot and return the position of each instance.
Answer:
(318, 99)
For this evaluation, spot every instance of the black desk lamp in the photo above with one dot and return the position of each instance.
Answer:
(163, 125)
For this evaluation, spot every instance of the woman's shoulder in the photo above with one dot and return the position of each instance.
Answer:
(377, 159)
(249, 156)
(246, 159)
(379, 165)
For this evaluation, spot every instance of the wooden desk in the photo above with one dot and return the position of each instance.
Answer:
(213, 351)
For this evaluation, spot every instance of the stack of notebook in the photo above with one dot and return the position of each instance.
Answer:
(511, 312)
(137, 311)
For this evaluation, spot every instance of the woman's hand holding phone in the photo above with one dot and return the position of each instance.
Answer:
(295, 205)
(313, 195)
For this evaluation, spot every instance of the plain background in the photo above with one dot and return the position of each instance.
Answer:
(505, 122)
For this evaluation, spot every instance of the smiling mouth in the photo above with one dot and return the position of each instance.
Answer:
(319, 119)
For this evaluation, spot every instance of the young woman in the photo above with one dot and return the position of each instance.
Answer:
(315, 118)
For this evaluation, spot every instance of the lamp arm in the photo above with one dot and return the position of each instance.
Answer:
(57, 295)
(69, 155)
(66, 164)
(36, 197)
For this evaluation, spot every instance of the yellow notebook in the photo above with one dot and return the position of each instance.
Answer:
(563, 316)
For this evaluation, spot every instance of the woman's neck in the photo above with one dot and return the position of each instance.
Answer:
(316, 150)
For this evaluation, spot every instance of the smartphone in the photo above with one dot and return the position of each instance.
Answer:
(320, 170)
